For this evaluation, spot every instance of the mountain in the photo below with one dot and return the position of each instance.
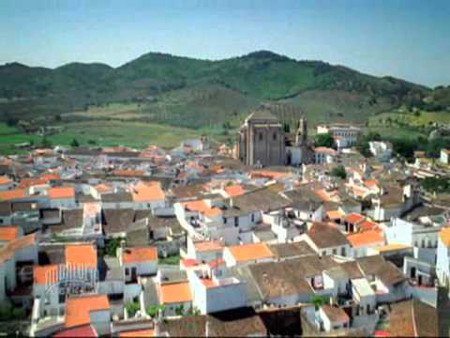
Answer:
(225, 88)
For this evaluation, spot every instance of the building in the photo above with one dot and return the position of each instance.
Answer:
(261, 140)
(344, 135)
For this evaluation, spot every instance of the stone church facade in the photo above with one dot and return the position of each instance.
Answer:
(262, 142)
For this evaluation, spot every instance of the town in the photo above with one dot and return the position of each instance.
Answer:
(273, 235)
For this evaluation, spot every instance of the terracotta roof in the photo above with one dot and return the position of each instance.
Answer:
(393, 247)
(249, 252)
(208, 246)
(78, 308)
(82, 255)
(47, 274)
(61, 193)
(138, 333)
(9, 233)
(369, 237)
(12, 194)
(325, 150)
(335, 214)
(175, 293)
(235, 190)
(202, 208)
(354, 218)
(371, 183)
(9, 250)
(5, 180)
(139, 254)
(368, 225)
(128, 173)
(444, 235)
(81, 331)
(148, 191)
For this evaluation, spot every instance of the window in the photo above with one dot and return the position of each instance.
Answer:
(236, 221)
(260, 136)
(127, 271)
(274, 136)
(342, 251)
(224, 220)
(253, 217)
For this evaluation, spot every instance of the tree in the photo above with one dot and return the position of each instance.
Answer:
(132, 308)
(324, 140)
(339, 171)
(75, 143)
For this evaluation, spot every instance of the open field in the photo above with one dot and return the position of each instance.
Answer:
(407, 124)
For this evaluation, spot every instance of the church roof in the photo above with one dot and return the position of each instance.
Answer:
(262, 114)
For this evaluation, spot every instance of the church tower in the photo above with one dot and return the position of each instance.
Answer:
(302, 132)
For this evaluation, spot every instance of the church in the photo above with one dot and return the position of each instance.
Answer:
(263, 142)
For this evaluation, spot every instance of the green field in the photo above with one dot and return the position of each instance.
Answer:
(102, 133)
(401, 124)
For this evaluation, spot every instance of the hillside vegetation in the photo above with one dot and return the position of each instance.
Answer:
(195, 93)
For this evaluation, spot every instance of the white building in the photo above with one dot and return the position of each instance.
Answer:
(344, 135)
(381, 150)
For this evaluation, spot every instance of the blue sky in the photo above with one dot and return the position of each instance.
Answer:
(407, 39)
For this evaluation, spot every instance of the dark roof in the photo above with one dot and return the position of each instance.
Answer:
(260, 199)
(24, 206)
(413, 318)
(304, 199)
(187, 326)
(290, 250)
(71, 218)
(117, 197)
(5, 208)
(352, 269)
(117, 220)
(325, 235)
(282, 322)
(286, 278)
(52, 254)
(376, 265)
(262, 115)
(236, 322)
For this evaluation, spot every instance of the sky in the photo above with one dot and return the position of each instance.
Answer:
(409, 39)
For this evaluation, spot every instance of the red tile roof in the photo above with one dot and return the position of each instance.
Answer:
(61, 193)
(81, 255)
(139, 254)
(78, 308)
(9, 233)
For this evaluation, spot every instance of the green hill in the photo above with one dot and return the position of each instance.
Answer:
(196, 93)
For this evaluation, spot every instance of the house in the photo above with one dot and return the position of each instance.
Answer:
(17, 258)
(324, 155)
(247, 254)
(148, 195)
(363, 242)
(284, 251)
(381, 150)
(176, 297)
(326, 239)
(344, 135)
(138, 261)
(204, 250)
(214, 290)
(443, 257)
(332, 318)
(88, 309)
(61, 197)
(389, 283)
